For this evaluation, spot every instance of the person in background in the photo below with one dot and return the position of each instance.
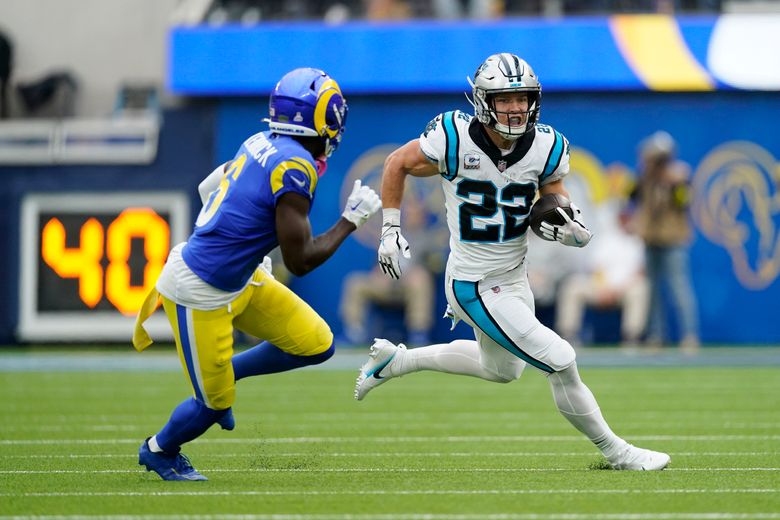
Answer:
(214, 282)
(660, 207)
(614, 277)
(415, 291)
(6, 66)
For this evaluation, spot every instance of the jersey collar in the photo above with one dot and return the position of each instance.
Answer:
(480, 137)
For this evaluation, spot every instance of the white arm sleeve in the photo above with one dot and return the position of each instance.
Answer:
(210, 183)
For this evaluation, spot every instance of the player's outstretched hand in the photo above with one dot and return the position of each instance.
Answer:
(361, 204)
(572, 233)
(392, 244)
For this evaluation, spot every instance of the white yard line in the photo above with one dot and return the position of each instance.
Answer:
(147, 494)
(244, 454)
(428, 516)
(348, 470)
(385, 439)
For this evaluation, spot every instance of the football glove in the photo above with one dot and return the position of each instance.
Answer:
(572, 233)
(361, 204)
(392, 244)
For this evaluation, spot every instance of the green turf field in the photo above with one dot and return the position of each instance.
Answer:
(426, 446)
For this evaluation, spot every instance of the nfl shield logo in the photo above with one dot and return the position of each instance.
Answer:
(501, 165)
(471, 161)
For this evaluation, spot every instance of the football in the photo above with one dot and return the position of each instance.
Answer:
(544, 210)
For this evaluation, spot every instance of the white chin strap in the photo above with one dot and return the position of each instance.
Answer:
(512, 133)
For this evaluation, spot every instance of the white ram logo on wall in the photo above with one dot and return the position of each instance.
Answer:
(736, 203)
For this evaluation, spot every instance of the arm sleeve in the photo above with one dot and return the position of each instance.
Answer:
(210, 183)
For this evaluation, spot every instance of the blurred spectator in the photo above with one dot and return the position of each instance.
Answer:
(53, 96)
(414, 291)
(250, 12)
(661, 219)
(639, 6)
(548, 266)
(6, 64)
(387, 9)
(473, 9)
(614, 278)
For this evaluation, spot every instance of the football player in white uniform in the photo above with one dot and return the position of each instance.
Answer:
(491, 167)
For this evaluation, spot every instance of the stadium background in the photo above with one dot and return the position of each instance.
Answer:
(710, 80)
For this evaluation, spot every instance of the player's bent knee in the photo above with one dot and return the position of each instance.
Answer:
(553, 350)
(510, 373)
(505, 378)
(322, 357)
(321, 341)
(563, 355)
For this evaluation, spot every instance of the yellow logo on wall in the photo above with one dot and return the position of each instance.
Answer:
(736, 203)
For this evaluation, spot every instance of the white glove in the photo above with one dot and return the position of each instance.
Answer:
(361, 204)
(572, 233)
(392, 244)
(454, 318)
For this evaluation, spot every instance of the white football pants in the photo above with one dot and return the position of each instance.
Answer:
(508, 336)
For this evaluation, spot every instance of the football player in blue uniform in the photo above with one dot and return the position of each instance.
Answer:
(218, 281)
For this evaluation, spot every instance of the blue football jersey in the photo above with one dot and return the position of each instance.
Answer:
(236, 227)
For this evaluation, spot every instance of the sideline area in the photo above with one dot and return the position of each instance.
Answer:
(162, 358)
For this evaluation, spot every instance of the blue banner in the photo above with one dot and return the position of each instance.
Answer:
(626, 52)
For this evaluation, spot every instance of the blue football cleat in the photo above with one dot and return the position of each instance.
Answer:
(169, 467)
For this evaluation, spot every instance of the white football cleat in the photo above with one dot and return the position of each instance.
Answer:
(381, 355)
(639, 459)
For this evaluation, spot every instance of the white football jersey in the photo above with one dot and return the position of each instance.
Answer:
(488, 195)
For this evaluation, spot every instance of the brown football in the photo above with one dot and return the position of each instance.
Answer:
(545, 210)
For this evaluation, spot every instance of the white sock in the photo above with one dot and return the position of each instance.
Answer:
(575, 401)
(457, 357)
(153, 446)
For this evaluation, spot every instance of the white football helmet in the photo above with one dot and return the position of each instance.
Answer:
(505, 72)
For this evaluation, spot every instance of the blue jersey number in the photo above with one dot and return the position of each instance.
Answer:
(515, 217)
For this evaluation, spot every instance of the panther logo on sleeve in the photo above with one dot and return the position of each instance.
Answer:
(431, 126)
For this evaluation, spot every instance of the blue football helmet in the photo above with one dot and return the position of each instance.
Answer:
(308, 102)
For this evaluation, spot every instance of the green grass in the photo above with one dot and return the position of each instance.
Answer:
(424, 446)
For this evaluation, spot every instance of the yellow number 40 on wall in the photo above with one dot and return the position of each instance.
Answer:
(84, 262)
(88, 259)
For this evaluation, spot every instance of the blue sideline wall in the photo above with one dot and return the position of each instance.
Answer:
(737, 302)
(729, 138)
(184, 157)
(602, 78)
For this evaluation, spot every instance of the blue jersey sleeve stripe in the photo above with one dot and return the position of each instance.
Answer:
(467, 296)
(453, 145)
(554, 158)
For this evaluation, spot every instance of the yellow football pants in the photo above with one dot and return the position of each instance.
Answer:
(265, 309)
